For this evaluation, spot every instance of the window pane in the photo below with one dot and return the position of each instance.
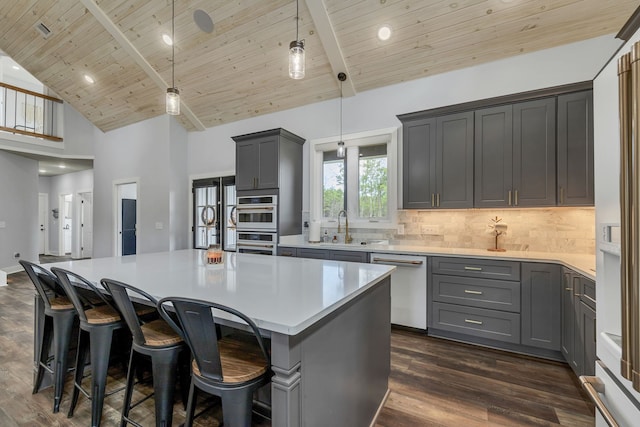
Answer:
(332, 184)
(372, 172)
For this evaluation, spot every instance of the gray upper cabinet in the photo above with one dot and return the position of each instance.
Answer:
(438, 162)
(534, 153)
(575, 149)
(257, 163)
(516, 155)
(493, 156)
(454, 161)
(419, 138)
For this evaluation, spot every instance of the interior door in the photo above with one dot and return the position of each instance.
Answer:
(128, 226)
(43, 222)
(86, 225)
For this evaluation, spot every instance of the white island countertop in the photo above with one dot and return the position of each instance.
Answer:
(584, 264)
(284, 295)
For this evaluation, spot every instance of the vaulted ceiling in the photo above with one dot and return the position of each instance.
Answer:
(240, 70)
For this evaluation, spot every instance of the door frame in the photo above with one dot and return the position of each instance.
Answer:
(117, 213)
(79, 223)
(61, 210)
(46, 221)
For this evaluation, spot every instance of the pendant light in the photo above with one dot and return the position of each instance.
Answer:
(173, 95)
(341, 151)
(296, 54)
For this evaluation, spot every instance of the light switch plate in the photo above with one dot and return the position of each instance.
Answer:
(159, 226)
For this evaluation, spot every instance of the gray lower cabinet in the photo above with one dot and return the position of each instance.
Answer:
(579, 322)
(438, 162)
(515, 155)
(497, 303)
(332, 254)
(575, 149)
(541, 305)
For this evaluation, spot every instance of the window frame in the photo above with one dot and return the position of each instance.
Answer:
(352, 142)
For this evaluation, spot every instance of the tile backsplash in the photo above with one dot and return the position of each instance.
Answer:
(557, 229)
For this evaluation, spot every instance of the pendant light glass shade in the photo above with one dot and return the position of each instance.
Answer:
(296, 53)
(296, 59)
(173, 101)
(341, 151)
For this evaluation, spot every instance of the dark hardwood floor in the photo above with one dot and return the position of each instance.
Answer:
(433, 383)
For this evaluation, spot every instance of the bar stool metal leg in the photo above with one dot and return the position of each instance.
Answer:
(62, 329)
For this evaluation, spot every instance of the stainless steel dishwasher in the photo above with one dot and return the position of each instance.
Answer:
(408, 288)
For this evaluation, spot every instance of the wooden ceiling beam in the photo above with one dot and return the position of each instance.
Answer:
(128, 47)
(330, 43)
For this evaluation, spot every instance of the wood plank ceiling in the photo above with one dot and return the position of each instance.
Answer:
(240, 70)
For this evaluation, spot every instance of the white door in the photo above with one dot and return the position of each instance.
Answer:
(43, 222)
(86, 225)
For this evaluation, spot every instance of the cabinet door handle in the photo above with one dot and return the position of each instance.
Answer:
(469, 291)
(473, 322)
(516, 198)
(509, 197)
(466, 267)
(438, 199)
(433, 200)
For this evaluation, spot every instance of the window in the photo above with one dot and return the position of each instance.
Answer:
(363, 182)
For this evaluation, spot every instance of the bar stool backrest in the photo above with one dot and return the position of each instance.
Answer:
(45, 282)
(118, 291)
(71, 281)
(197, 325)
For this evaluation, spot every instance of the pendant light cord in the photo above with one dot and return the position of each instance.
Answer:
(297, 19)
(173, 44)
(340, 111)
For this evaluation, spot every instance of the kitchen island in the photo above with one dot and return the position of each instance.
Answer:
(328, 322)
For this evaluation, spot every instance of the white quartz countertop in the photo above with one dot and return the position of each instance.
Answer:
(582, 263)
(281, 294)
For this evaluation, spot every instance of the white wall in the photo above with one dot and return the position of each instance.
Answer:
(214, 150)
(178, 188)
(149, 153)
(18, 210)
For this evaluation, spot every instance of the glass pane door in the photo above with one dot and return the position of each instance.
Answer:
(206, 221)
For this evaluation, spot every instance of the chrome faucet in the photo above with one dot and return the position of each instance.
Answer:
(347, 237)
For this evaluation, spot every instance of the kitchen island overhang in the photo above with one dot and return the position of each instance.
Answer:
(329, 323)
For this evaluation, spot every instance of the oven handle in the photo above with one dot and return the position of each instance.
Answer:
(594, 385)
(255, 245)
(255, 208)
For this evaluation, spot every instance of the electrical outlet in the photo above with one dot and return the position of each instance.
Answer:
(16, 254)
(431, 230)
(400, 229)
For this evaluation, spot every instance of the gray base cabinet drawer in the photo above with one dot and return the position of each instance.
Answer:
(471, 267)
(481, 293)
(313, 253)
(351, 256)
(479, 322)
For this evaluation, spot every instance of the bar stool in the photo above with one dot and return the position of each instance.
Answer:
(228, 367)
(97, 325)
(154, 339)
(58, 325)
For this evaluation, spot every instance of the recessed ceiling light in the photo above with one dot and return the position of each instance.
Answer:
(15, 67)
(89, 79)
(61, 166)
(166, 38)
(384, 33)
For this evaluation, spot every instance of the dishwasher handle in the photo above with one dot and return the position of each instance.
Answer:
(593, 386)
(393, 261)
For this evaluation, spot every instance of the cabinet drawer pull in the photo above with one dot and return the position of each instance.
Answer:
(473, 268)
(475, 322)
(468, 291)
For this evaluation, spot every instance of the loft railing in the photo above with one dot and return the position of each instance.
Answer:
(29, 113)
